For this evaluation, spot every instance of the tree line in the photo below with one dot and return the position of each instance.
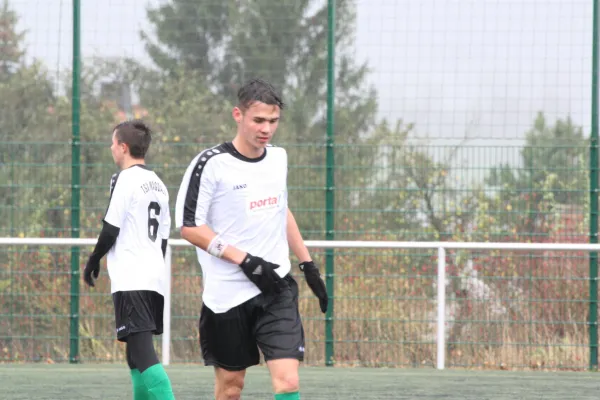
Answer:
(386, 186)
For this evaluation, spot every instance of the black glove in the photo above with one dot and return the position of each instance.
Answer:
(92, 268)
(262, 274)
(107, 238)
(315, 283)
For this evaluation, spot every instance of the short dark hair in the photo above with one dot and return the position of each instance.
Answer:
(136, 135)
(258, 90)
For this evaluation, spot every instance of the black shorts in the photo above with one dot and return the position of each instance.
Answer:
(231, 340)
(138, 311)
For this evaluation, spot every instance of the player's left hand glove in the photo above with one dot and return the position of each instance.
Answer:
(315, 283)
(92, 268)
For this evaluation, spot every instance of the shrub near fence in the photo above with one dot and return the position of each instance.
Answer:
(504, 309)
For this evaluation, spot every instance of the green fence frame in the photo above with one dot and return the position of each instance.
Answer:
(330, 187)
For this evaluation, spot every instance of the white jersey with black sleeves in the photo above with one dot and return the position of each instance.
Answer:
(244, 201)
(139, 207)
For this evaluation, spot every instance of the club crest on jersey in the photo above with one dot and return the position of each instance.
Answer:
(259, 204)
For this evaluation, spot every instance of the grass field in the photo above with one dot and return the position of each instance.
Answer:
(75, 382)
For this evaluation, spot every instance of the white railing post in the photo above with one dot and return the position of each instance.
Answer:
(441, 308)
(166, 336)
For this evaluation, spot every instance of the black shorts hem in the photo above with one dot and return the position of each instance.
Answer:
(284, 356)
(123, 337)
(212, 363)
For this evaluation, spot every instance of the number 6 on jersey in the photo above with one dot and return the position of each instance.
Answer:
(153, 223)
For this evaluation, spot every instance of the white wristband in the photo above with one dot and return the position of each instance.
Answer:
(216, 247)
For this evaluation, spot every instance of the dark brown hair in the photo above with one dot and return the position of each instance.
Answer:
(136, 135)
(258, 90)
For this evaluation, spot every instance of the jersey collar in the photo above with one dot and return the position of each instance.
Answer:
(143, 166)
(230, 148)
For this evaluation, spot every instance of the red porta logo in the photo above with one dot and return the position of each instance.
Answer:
(265, 203)
(262, 202)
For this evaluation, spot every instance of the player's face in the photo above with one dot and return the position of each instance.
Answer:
(118, 150)
(257, 124)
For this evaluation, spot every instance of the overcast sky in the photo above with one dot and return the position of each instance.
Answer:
(451, 66)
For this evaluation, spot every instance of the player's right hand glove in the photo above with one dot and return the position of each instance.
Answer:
(262, 273)
(92, 268)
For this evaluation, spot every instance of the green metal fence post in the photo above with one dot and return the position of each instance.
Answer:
(11, 276)
(75, 184)
(593, 312)
(330, 188)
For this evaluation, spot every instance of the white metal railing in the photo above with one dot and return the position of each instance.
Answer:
(338, 244)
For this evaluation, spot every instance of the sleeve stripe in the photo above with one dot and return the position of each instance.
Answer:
(113, 183)
(191, 195)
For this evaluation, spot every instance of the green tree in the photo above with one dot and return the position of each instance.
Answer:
(285, 42)
(11, 42)
(415, 196)
(552, 177)
(26, 94)
(25, 90)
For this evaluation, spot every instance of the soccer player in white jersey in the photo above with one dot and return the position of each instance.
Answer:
(232, 205)
(135, 232)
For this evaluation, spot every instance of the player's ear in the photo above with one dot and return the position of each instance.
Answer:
(125, 148)
(237, 114)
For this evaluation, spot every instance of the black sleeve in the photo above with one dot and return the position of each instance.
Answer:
(107, 238)
(164, 247)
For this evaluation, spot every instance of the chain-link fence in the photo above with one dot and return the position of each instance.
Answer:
(463, 121)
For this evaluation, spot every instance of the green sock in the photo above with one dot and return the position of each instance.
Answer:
(158, 383)
(140, 391)
(288, 396)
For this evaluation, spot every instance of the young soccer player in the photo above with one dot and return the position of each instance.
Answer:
(134, 234)
(232, 205)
